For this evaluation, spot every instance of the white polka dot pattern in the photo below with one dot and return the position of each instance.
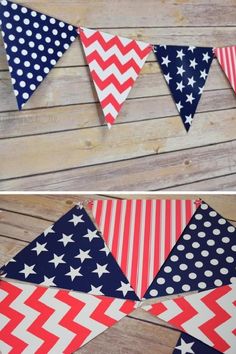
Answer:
(203, 258)
(34, 43)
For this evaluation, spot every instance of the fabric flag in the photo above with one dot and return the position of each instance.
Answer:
(203, 258)
(209, 316)
(190, 345)
(185, 70)
(36, 319)
(71, 254)
(227, 59)
(141, 234)
(34, 43)
(115, 63)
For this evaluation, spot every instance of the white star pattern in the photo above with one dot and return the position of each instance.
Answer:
(48, 281)
(200, 90)
(49, 230)
(40, 248)
(91, 235)
(193, 63)
(105, 249)
(96, 290)
(191, 48)
(28, 270)
(74, 272)
(168, 78)
(188, 119)
(101, 269)
(180, 86)
(125, 288)
(179, 106)
(57, 260)
(180, 70)
(191, 81)
(165, 60)
(185, 348)
(83, 255)
(180, 54)
(66, 239)
(203, 74)
(190, 98)
(206, 57)
(76, 219)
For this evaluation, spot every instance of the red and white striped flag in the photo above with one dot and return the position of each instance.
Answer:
(227, 59)
(141, 234)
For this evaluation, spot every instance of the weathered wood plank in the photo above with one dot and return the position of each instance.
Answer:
(73, 85)
(145, 173)
(9, 248)
(223, 183)
(30, 122)
(46, 153)
(125, 13)
(204, 36)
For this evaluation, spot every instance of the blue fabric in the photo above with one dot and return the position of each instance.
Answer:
(69, 247)
(34, 43)
(203, 258)
(188, 344)
(185, 70)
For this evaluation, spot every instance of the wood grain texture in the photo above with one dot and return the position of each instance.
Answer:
(23, 217)
(59, 141)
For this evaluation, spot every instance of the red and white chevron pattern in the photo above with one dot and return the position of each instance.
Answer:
(227, 59)
(42, 320)
(115, 63)
(209, 316)
(140, 230)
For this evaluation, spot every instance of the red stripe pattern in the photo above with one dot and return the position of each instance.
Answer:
(115, 63)
(40, 320)
(140, 230)
(209, 316)
(227, 59)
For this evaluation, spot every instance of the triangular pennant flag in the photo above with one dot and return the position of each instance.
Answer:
(71, 254)
(227, 59)
(35, 319)
(188, 344)
(209, 316)
(185, 70)
(34, 43)
(203, 258)
(115, 63)
(141, 234)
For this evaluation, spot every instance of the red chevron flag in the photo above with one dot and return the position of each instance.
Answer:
(227, 59)
(40, 320)
(141, 234)
(209, 316)
(115, 63)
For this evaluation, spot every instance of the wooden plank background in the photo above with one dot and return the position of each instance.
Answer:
(23, 217)
(58, 142)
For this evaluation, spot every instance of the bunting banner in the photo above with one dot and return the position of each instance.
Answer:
(209, 316)
(115, 63)
(140, 230)
(227, 58)
(204, 256)
(188, 344)
(34, 43)
(185, 70)
(72, 255)
(35, 319)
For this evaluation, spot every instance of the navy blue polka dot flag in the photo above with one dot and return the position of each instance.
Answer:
(191, 345)
(203, 258)
(34, 43)
(185, 70)
(71, 254)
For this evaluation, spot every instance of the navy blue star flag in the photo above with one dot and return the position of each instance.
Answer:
(203, 258)
(190, 345)
(185, 70)
(71, 254)
(34, 43)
